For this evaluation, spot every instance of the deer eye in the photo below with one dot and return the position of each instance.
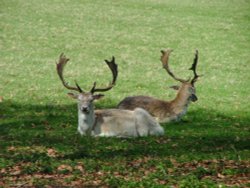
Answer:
(191, 90)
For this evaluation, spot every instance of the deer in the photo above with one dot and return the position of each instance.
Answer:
(107, 122)
(167, 111)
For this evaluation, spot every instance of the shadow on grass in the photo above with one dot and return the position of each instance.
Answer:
(208, 133)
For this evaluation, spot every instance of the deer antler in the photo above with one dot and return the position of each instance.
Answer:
(59, 67)
(193, 68)
(113, 67)
(164, 60)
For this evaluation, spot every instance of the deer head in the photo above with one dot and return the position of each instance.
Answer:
(187, 88)
(85, 99)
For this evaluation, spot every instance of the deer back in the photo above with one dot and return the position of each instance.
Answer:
(125, 123)
(155, 107)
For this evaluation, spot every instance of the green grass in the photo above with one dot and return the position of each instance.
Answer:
(39, 144)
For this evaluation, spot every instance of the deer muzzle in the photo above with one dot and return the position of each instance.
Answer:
(193, 98)
(85, 109)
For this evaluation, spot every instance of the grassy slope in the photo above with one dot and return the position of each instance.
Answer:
(37, 115)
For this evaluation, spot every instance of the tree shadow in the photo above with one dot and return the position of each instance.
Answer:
(140, 147)
(55, 126)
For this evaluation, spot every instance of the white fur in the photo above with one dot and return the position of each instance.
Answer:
(118, 123)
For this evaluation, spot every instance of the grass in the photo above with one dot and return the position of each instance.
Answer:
(39, 144)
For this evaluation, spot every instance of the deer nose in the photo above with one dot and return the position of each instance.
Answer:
(85, 109)
(194, 98)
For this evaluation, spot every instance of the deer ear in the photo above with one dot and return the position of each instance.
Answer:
(175, 87)
(73, 95)
(98, 96)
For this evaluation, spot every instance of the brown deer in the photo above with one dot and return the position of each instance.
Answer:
(165, 111)
(108, 122)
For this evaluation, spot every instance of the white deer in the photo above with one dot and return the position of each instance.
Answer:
(108, 122)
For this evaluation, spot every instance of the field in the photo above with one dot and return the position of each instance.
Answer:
(39, 143)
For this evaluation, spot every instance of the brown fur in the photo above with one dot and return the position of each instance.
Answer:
(163, 111)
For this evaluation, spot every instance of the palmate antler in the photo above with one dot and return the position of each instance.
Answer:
(113, 67)
(63, 61)
(60, 67)
(164, 60)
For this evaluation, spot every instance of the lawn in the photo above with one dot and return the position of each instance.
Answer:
(39, 143)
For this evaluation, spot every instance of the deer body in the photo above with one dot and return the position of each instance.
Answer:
(108, 122)
(118, 123)
(165, 111)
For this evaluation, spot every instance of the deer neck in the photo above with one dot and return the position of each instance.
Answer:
(181, 101)
(86, 121)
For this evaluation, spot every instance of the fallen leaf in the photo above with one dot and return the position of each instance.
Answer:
(65, 167)
(15, 171)
(220, 176)
(80, 168)
(3, 171)
(12, 148)
(174, 145)
(51, 152)
(170, 170)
